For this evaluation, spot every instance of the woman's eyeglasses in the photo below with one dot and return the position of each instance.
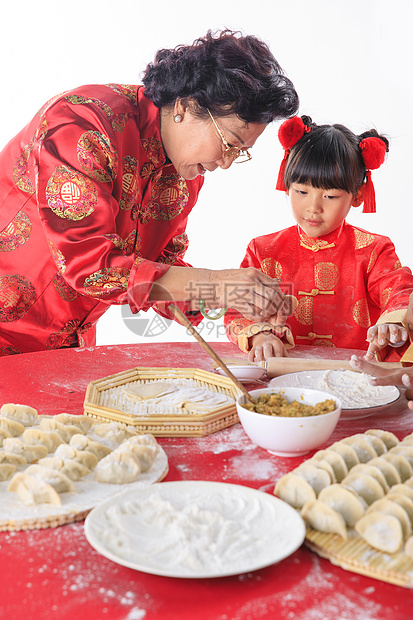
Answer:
(232, 151)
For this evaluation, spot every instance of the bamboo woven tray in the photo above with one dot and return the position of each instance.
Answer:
(101, 394)
(357, 556)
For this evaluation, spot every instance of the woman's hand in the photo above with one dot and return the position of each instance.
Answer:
(253, 293)
(380, 375)
(264, 346)
(381, 336)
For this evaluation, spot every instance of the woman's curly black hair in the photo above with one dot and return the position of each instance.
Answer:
(226, 72)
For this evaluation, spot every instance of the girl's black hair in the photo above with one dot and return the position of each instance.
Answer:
(225, 72)
(329, 157)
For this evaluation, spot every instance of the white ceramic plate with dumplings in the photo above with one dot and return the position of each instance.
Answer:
(195, 529)
(359, 398)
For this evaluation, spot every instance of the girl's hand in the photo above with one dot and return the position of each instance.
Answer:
(381, 336)
(265, 346)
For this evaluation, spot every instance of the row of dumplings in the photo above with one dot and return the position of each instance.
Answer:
(51, 453)
(364, 482)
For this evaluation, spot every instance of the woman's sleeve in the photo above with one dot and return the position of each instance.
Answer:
(78, 164)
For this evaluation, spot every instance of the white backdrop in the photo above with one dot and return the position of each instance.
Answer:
(350, 61)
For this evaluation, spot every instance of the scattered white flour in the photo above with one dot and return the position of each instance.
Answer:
(195, 529)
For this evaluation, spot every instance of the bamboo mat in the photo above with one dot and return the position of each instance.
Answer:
(355, 555)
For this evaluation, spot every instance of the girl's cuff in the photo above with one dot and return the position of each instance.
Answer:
(283, 333)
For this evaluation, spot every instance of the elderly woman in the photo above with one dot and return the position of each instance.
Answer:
(96, 192)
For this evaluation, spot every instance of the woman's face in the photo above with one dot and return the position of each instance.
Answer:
(195, 146)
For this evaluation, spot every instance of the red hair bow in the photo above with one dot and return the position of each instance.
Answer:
(289, 133)
(373, 152)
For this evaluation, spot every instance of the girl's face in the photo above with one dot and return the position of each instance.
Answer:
(195, 146)
(319, 211)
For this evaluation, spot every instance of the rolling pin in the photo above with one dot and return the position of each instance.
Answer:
(276, 366)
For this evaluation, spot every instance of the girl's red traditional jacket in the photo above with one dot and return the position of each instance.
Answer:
(91, 214)
(341, 284)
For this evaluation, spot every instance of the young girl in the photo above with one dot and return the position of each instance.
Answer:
(346, 285)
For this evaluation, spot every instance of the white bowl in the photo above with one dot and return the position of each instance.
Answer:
(289, 436)
(245, 373)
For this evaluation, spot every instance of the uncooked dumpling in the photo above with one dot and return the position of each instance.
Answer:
(58, 480)
(114, 432)
(389, 507)
(404, 450)
(118, 467)
(322, 518)
(65, 451)
(389, 438)
(6, 471)
(344, 501)
(361, 446)
(408, 547)
(81, 442)
(21, 413)
(347, 452)
(72, 469)
(294, 490)
(364, 485)
(316, 477)
(83, 422)
(3, 435)
(381, 531)
(403, 489)
(377, 443)
(36, 437)
(366, 468)
(65, 431)
(30, 453)
(33, 491)
(403, 501)
(401, 464)
(12, 458)
(144, 454)
(14, 428)
(388, 470)
(336, 461)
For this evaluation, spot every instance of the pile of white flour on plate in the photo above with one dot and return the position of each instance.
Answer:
(353, 388)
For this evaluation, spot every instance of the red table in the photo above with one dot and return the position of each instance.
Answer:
(56, 574)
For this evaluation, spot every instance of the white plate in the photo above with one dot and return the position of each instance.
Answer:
(344, 384)
(245, 374)
(195, 529)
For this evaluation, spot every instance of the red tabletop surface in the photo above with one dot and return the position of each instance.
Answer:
(56, 574)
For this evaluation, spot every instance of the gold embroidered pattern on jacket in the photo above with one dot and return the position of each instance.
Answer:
(326, 276)
(361, 314)
(362, 239)
(272, 268)
(304, 311)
